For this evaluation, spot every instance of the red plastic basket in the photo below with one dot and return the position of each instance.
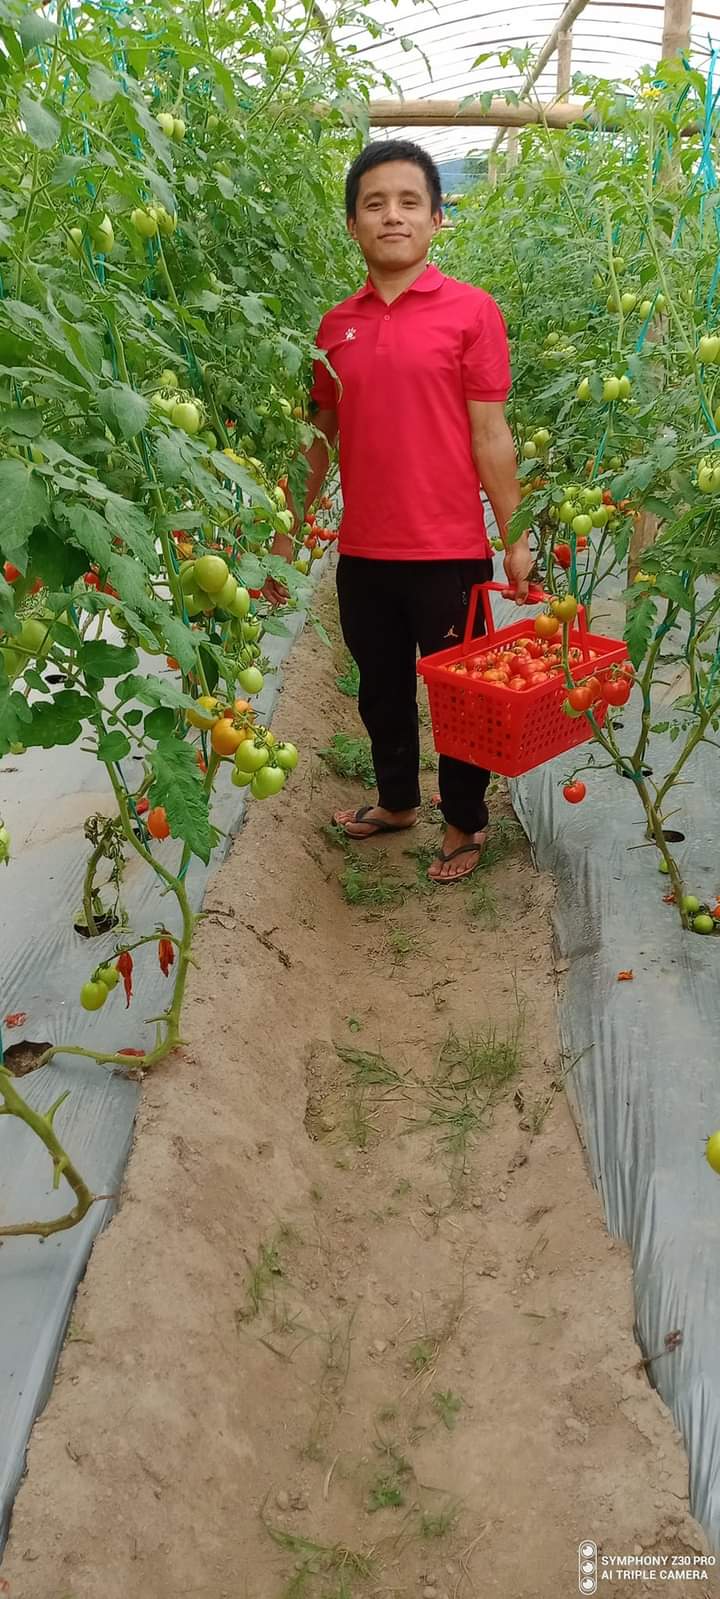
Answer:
(498, 728)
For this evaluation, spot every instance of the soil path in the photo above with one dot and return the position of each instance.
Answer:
(357, 1329)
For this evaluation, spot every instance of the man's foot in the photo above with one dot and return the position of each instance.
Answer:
(372, 819)
(459, 856)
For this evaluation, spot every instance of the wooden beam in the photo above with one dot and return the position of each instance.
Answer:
(677, 25)
(563, 24)
(513, 140)
(448, 113)
(564, 64)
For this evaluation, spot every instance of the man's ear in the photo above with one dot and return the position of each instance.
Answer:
(352, 227)
(437, 217)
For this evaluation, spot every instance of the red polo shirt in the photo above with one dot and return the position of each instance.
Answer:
(410, 487)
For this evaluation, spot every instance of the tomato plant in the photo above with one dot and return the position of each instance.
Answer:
(601, 257)
(170, 235)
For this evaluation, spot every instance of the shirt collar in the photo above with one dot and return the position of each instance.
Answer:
(428, 280)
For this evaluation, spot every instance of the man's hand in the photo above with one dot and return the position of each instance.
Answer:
(519, 562)
(274, 591)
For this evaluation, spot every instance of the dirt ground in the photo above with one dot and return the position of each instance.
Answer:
(357, 1329)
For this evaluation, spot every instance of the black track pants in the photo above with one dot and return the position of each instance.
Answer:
(389, 610)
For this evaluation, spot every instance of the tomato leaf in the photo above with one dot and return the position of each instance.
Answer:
(15, 714)
(43, 128)
(124, 410)
(8, 619)
(106, 660)
(57, 563)
(177, 784)
(153, 691)
(641, 615)
(113, 747)
(23, 503)
(160, 722)
(129, 522)
(58, 721)
(24, 422)
(239, 474)
(179, 639)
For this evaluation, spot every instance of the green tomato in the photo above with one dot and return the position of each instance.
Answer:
(211, 573)
(628, 303)
(178, 131)
(583, 390)
(600, 515)
(208, 437)
(251, 679)
(143, 223)
(703, 924)
(166, 220)
(164, 403)
(268, 782)
(4, 845)
(690, 903)
(530, 450)
(278, 56)
(590, 497)
(279, 497)
(250, 756)
(241, 779)
(663, 866)
(712, 1151)
(74, 244)
(225, 599)
(213, 122)
(284, 521)
(286, 756)
(195, 602)
(541, 438)
(251, 630)
(186, 415)
(644, 309)
(93, 995)
(582, 524)
(34, 636)
(705, 480)
(109, 975)
(567, 511)
(166, 123)
(552, 339)
(241, 603)
(12, 662)
(709, 347)
(168, 379)
(103, 237)
(611, 389)
(625, 388)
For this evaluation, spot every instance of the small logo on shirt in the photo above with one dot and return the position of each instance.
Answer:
(350, 333)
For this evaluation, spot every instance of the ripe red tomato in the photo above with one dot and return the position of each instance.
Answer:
(534, 648)
(157, 823)
(581, 541)
(616, 691)
(581, 697)
(91, 580)
(11, 573)
(574, 792)
(518, 684)
(595, 686)
(563, 555)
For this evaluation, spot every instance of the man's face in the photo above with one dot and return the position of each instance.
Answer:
(394, 222)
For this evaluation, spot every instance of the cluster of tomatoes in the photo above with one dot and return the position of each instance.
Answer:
(519, 665)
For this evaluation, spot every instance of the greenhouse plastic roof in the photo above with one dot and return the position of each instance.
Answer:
(609, 41)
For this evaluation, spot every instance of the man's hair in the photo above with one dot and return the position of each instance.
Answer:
(376, 155)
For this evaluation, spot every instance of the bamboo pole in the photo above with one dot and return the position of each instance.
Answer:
(563, 25)
(513, 140)
(564, 64)
(677, 24)
(446, 113)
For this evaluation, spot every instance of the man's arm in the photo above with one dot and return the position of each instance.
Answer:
(494, 456)
(318, 456)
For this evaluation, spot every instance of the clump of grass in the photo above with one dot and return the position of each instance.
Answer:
(504, 839)
(439, 1524)
(481, 904)
(318, 1557)
(386, 1492)
(471, 1077)
(261, 1278)
(363, 884)
(448, 1406)
(348, 681)
(369, 1068)
(400, 944)
(350, 758)
(422, 1354)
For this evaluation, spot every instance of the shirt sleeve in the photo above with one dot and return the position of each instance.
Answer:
(486, 356)
(323, 393)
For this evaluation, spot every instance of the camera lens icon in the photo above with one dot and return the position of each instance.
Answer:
(587, 1567)
(588, 1551)
(587, 1584)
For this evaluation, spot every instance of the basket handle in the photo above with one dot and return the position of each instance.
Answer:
(535, 596)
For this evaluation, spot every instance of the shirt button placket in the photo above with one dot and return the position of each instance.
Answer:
(383, 344)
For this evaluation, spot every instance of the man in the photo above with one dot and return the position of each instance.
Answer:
(424, 370)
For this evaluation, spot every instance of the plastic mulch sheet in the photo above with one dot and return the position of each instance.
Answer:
(645, 1089)
(44, 799)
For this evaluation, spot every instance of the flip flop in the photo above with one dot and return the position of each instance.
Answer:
(376, 823)
(463, 849)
